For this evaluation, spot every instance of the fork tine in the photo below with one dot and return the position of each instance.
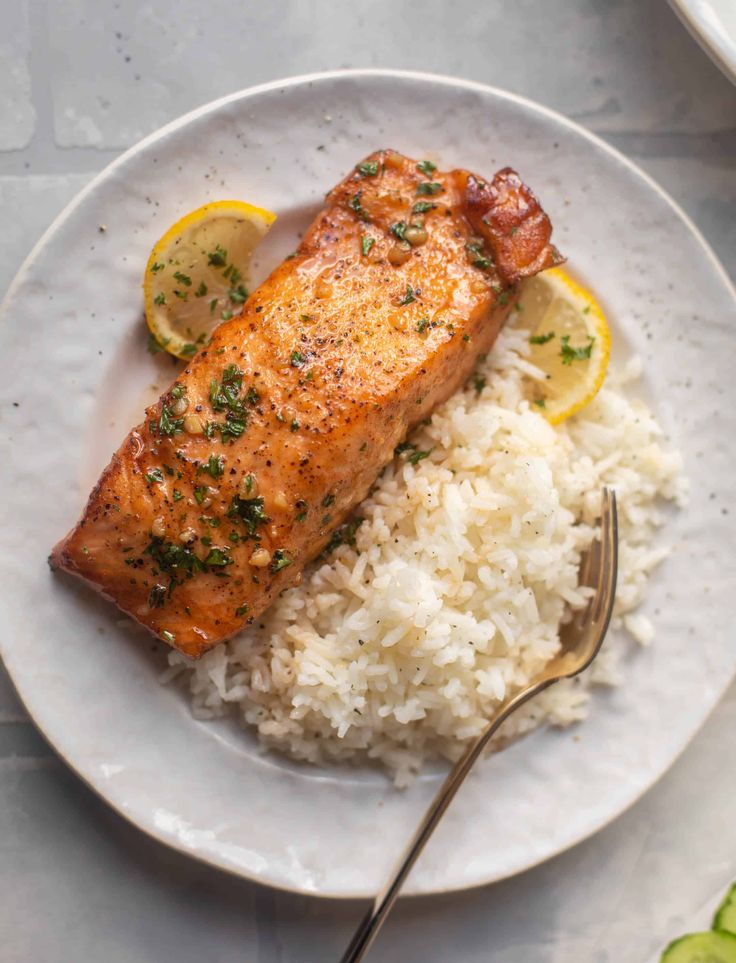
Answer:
(608, 560)
(598, 600)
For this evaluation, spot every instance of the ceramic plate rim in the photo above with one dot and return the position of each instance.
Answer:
(722, 54)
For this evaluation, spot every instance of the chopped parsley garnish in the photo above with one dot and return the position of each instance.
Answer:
(218, 257)
(168, 636)
(242, 610)
(541, 338)
(160, 298)
(279, 560)
(426, 167)
(154, 475)
(297, 359)
(250, 481)
(214, 466)
(477, 257)
(225, 396)
(232, 274)
(183, 279)
(479, 382)
(355, 205)
(167, 425)
(503, 297)
(157, 596)
(177, 391)
(177, 495)
(200, 493)
(416, 456)
(409, 296)
(294, 426)
(238, 295)
(344, 535)
(213, 305)
(156, 267)
(233, 427)
(429, 188)
(422, 325)
(218, 558)
(226, 315)
(189, 349)
(201, 290)
(368, 168)
(328, 500)
(366, 243)
(421, 207)
(182, 295)
(249, 511)
(232, 375)
(399, 230)
(570, 354)
(540, 402)
(176, 561)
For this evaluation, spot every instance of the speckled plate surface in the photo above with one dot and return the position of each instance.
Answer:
(75, 376)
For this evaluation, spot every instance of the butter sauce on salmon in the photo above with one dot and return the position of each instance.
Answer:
(259, 451)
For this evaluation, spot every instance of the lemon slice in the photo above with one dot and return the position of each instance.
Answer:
(570, 342)
(198, 273)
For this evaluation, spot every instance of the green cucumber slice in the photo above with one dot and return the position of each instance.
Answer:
(725, 918)
(710, 947)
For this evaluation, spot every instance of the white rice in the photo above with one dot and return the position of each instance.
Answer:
(399, 649)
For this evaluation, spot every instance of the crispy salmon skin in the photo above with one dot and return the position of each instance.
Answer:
(240, 473)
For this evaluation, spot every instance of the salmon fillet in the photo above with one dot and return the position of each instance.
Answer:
(261, 448)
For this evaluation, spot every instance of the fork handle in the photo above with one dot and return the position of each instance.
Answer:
(384, 901)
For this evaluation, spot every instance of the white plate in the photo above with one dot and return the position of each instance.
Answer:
(713, 24)
(73, 358)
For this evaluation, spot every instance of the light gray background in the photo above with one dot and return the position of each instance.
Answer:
(81, 80)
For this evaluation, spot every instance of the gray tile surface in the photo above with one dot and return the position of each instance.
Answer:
(83, 79)
(17, 114)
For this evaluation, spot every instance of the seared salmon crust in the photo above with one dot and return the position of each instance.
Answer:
(250, 462)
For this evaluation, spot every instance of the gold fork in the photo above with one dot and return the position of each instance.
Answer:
(581, 640)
